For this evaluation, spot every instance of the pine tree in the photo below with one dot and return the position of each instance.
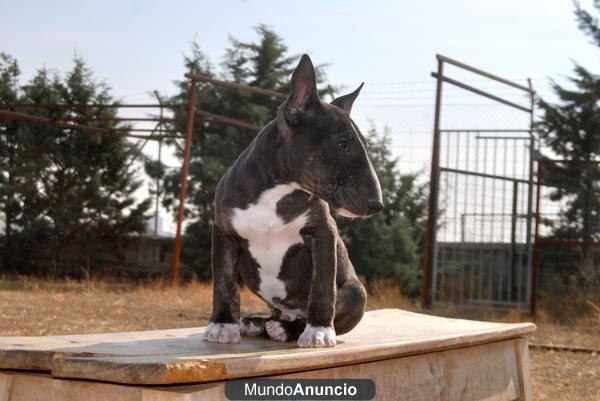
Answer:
(80, 184)
(10, 172)
(571, 130)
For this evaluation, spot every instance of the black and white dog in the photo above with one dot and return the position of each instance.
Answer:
(274, 229)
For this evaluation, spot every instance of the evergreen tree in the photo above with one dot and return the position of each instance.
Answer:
(80, 184)
(10, 171)
(571, 130)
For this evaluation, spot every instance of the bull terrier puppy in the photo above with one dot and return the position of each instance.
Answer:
(274, 228)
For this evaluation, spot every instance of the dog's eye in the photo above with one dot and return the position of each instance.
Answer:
(343, 145)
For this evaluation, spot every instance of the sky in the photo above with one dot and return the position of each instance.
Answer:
(138, 46)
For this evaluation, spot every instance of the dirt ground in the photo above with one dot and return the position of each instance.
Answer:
(34, 308)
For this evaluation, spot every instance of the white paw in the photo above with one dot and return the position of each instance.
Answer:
(222, 333)
(276, 331)
(317, 337)
(248, 328)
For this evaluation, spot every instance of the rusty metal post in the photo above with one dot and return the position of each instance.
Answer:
(183, 180)
(235, 85)
(536, 242)
(532, 158)
(428, 250)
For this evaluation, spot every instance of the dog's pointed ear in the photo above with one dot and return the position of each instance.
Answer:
(345, 102)
(304, 95)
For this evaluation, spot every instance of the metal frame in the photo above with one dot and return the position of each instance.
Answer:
(430, 255)
(73, 123)
(68, 124)
(7, 112)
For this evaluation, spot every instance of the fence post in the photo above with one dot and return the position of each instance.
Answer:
(513, 241)
(183, 180)
(428, 250)
(536, 244)
(530, 215)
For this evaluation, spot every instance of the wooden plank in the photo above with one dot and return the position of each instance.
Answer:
(481, 372)
(180, 356)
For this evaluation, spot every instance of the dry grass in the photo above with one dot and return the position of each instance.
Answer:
(568, 320)
(388, 294)
(37, 307)
(34, 307)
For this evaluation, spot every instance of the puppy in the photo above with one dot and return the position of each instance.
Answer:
(274, 227)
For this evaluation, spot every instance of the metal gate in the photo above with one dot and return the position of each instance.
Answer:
(478, 245)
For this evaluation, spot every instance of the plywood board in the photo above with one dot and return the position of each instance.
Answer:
(180, 356)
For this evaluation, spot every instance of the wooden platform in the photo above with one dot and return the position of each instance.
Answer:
(408, 355)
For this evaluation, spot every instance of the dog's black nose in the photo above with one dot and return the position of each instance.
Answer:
(374, 205)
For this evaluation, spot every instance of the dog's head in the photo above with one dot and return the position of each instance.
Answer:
(325, 148)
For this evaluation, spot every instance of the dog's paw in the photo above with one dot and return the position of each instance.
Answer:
(317, 337)
(222, 333)
(276, 331)
(248, 327)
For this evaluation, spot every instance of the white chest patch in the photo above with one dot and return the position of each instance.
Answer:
(269, 237)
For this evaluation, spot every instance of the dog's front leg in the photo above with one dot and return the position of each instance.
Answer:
(223, 326)
(319, 330)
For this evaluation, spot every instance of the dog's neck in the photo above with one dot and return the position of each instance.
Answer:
(267, 160)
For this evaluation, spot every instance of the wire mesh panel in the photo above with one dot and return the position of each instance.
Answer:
(481, 254)
(478, 242)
